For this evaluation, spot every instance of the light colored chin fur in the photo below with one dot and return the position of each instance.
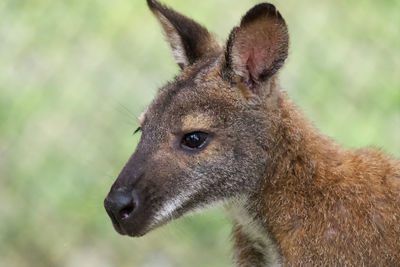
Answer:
(168, 211)
(238, 210)
(240, 213)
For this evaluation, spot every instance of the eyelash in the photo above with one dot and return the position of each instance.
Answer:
(139, 129)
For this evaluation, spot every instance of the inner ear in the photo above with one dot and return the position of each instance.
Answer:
(258, 48)
(188, 39)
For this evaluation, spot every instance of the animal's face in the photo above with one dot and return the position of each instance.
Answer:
(202, 137)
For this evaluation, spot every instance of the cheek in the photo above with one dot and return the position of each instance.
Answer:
(175, 165)
(166, 165)
(210, 173)
(215, 163)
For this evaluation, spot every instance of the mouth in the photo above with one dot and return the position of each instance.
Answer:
(127, 228)
(115, 223)
(145, 214)
(133, 225)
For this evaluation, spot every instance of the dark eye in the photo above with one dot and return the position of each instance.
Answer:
(194, 140)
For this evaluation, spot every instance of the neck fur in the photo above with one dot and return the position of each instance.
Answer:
(299, 157)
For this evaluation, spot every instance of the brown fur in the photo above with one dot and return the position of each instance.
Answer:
(326, 205)
(295, 196)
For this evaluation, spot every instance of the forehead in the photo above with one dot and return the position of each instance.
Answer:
(197, 94)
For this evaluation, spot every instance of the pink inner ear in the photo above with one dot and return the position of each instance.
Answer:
(255, 51)
(257, 55)
(258, 61)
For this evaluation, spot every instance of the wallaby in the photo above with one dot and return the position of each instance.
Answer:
(224, 132)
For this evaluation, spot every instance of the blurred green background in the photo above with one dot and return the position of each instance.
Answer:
(75, 75)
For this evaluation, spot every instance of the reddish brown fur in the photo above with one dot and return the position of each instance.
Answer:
(346, 198)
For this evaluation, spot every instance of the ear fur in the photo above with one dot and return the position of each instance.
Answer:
(189, 40)
(258, 48)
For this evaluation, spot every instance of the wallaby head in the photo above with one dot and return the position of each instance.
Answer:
(208, 136)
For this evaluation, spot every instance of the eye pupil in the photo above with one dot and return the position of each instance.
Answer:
(194, 140)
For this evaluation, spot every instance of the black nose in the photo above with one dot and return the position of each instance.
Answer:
(121, 203)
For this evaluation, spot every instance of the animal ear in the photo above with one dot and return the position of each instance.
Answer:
(257, 49)
(189, 40)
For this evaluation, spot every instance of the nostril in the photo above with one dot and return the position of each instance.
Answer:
(126, 211)
(121, 203)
